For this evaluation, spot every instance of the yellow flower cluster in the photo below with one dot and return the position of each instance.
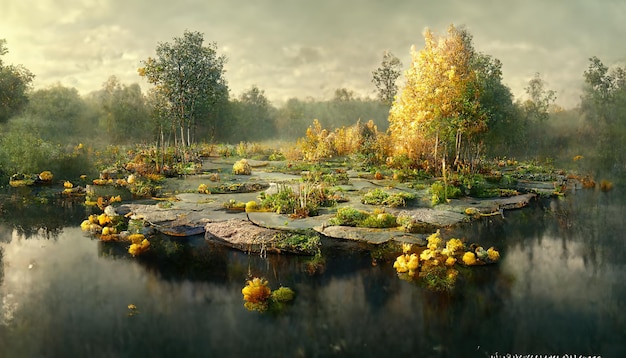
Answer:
(138, 249)
(407, 264)
(256, 290)
(242, 167)
(258, 296)
(493, 255)
(46, 175)
(100, 224)
(453, 247)
(469, 259)
(203, 189)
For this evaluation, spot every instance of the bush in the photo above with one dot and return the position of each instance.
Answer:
(380, 197)
(441, 192)
(347, 216)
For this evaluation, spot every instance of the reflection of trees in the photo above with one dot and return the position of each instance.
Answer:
(39, 213)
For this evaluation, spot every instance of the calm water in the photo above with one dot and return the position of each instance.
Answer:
(560, 288)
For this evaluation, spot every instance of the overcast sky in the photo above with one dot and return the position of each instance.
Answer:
(293, 48)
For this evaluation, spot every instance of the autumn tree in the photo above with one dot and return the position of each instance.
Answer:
(385, 77)
(15, 82)
(439, 108)
(188, 79)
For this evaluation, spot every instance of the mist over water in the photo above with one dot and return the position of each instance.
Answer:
(559, 288)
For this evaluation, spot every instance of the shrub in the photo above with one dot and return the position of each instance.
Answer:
(347, 216)
(242, 167)
(441, 192)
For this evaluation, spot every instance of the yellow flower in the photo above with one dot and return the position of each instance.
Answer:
(46, 175)
(85, 225)
(406, 248)
(427, 255)
(450, 261)
(103, 219)
(68, 185)
(469, 258)
(203, 189)
(256, 291)
(493, 254)
(136, 238)
(401, 265)
(434, 241)
(454, 246)
(138, 249)
(413, 262)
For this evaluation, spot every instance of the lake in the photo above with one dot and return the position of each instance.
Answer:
(560, 288)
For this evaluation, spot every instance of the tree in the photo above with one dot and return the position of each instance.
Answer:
(603, 105)
(125, 114)
(440, 103)
(15, 82)
(506, 129)
(384, 78)
(537, 106)
(189, 77)
(59, 112)
(253, 116)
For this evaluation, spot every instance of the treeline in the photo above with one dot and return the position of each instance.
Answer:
(120, 114)
(457, 113)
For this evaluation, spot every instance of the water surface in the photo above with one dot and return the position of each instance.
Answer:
(560, 288)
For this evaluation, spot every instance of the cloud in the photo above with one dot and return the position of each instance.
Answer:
(308, 48)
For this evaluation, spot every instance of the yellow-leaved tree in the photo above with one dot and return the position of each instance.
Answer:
(438, 111)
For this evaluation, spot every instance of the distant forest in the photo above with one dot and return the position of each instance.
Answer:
(58, 117)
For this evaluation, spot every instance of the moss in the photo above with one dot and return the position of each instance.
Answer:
(305, 242)
(282, 294)
(380, 197)
(347, 216)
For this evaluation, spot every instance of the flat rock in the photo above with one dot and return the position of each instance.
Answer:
(371, 236)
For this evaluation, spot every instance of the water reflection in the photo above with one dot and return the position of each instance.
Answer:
(559, 288)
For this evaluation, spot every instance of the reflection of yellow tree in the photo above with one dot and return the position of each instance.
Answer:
(439, 104)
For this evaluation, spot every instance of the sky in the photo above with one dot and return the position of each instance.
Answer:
(308, 49)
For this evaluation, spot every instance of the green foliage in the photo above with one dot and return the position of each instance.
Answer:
(348, 216)
(15, 82)
(60, 114)
(381, 197)
(379, 220)
(188, 79)
(251, 117)
(438, 278)
(125, 114)
(304, 202)
(281, 202)
(282, 294)
(306, 242)
(441, 192)
(604, 106)
(23, 151)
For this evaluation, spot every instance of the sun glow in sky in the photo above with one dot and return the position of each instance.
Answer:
(309, 48)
